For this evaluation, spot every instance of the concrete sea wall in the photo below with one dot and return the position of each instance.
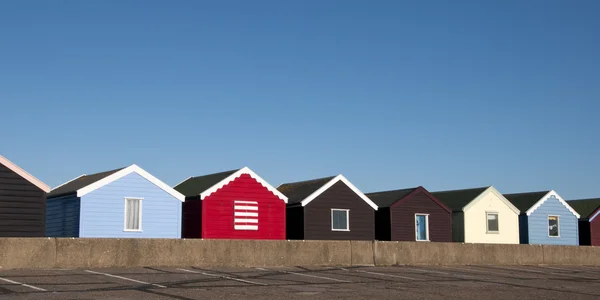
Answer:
(44, 253)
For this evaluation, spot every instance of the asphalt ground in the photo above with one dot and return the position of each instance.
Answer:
(400, 282)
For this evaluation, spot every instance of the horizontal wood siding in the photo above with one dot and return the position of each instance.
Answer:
(103, 210)
(383, 224)
(295, 223)
(317, 215)
(595, 232)
(62, 216)
(218, 212)
(22, 206)
(192, 218)
(403, 218)
(567, 222)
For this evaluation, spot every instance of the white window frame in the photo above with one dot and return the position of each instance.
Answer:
(125, 214)
(557, 225)
(426, 227)
(487, 223)
(347, 219)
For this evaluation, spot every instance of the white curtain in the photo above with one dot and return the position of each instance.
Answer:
(132, 218)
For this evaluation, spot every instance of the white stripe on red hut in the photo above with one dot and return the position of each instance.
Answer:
(245, 215)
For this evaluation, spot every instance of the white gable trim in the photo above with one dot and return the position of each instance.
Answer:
(124, 172)
(326, 186)
(546, 197)
(7, 163)
(244, 170)
(594, 216)
(494, 191)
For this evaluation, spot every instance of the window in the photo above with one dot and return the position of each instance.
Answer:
(553, 226)
(492, 222)
(133, 214)
(340, 220)
(422, 227)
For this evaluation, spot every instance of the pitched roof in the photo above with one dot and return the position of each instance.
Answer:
(457, 199)
(11, 166)
(387, 198)
(585, 207)
(82, 181)
(298, 191)
(524, 201)
(194, 186)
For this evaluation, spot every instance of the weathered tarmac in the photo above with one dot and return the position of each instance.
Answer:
(400, 282)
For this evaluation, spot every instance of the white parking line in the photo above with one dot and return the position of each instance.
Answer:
(559, 269)
(375, 273)
(23, 284)
(125, 278)
(307, 275)
(222, 276)
(546, 272)
(390, 275)
(563, 274)
(477, 271)
(590, 268)
(429, 271)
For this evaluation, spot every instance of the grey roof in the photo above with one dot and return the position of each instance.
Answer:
(79, 183)
(585, 207)
(194, 186)
(298, 191)
(457, 199)
(524, 201)
(387, 198)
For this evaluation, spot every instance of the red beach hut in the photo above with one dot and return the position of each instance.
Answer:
(236, 204)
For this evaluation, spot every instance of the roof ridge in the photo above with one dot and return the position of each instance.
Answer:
(389, 191)
(228, 171)
(526, 193)
(113, 170)
(468, 189)
(303, 181)
(586, 199)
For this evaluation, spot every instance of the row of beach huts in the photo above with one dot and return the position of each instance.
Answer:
(238, 204)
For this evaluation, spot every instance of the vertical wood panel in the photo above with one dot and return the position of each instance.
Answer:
(191, 226)
(295, 223)
(383, 226)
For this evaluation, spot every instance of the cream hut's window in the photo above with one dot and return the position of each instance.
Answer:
(492, 222)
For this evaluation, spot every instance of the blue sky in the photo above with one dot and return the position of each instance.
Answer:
(392, 94)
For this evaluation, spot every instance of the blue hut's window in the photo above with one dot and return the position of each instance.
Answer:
(553, 226)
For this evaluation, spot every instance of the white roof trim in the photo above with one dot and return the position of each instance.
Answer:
(124, 172)
(7, 163)
(494, 191)
(331, 182)
(244, 170)
(594, 216)
(546, 197)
